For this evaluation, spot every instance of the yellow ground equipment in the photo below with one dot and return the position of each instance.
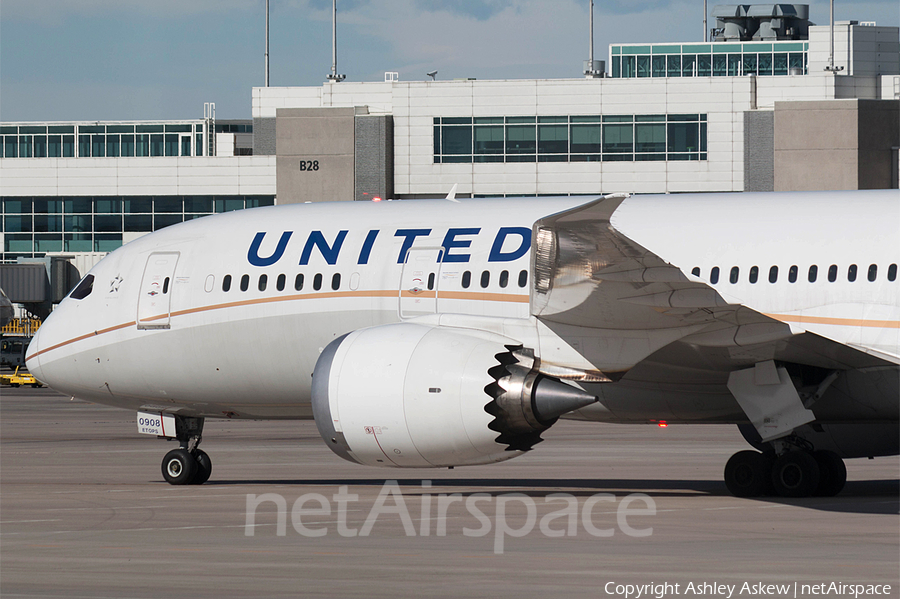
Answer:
(17, 379)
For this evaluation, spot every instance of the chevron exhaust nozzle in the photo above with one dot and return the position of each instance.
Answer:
(551, 399)
(525, 402)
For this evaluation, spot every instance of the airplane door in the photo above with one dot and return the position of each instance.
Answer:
(419, 282)
(156, 291)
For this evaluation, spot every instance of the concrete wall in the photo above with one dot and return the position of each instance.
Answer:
(759, 146)
(225, 144)
(264, 137)
(879, 133)
(316, 149)
(374, 151)
(376, 95)
(333, 154)
(816, 145)
(835, 144)
(859, 49)
(237, 175)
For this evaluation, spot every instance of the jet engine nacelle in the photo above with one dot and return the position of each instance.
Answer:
(412, 395)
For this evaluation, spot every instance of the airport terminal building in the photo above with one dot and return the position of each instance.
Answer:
(724, 116)
(731, 115)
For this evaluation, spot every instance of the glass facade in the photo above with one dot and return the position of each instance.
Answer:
(234, 127)
(720, 59)
(32, 226)
(624, 138)
(111, 140)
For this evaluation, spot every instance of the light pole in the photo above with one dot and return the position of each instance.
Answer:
(334, 77)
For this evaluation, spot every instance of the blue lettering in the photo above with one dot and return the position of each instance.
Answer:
(451, 242)
(497, 253)
(329, 253)
(410, 238)
(253, 254)
(367, 247)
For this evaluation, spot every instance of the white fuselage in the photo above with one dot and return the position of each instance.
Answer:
(225, 316)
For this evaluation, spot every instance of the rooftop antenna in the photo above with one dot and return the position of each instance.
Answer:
(830, 67)
(267, 43)
(334, 77)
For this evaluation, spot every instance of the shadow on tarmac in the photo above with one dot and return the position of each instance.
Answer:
(861, 497)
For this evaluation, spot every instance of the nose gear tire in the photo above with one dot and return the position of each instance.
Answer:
(179, 467)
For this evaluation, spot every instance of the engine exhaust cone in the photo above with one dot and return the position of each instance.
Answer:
(551, 399)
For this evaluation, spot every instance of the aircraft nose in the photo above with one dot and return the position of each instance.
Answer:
(32, 359)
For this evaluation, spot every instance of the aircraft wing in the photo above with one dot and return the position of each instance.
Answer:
(614, 302)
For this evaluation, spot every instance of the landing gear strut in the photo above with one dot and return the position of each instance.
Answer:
(187, 465)
(798, 472)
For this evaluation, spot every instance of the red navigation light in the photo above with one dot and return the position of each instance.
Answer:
(376, 199)
(662, 424)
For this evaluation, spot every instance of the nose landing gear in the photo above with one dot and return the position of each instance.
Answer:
(187, 465)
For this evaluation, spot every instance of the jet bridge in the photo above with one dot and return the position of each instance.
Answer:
(38, 283)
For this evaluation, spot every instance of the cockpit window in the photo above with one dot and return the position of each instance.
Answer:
(84, 288)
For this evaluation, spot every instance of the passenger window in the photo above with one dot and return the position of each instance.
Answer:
(317, 281)
(773, 274)
(466, 279)
(851, 273)
(813, 273)
(166, 286)
(298, 282)
(485, 279)
(735, 273)
(832, 273)
(226, 283)
(792, 274)
(714, 275)
(430, 281)
(263, 282)
(245, 282)
(695, 271)
(279, 284)
(504, 279)
(892, 272)
(336, 281)
(754, 274)
(523, 278)
(873, 272)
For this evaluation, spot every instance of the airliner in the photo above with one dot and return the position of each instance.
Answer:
(446, 333)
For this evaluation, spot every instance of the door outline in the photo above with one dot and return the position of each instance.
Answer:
(415, 299)
(154, 303)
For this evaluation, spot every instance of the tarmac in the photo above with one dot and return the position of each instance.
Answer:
(596, 510)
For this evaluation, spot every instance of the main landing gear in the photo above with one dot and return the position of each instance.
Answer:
(187, 465)
(798, 471)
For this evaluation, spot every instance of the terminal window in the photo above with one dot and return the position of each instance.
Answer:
(34, 226)
(100, 141)
(720, 59)
(608, 138)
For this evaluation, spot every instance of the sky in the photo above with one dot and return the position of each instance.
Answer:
(67, 60)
